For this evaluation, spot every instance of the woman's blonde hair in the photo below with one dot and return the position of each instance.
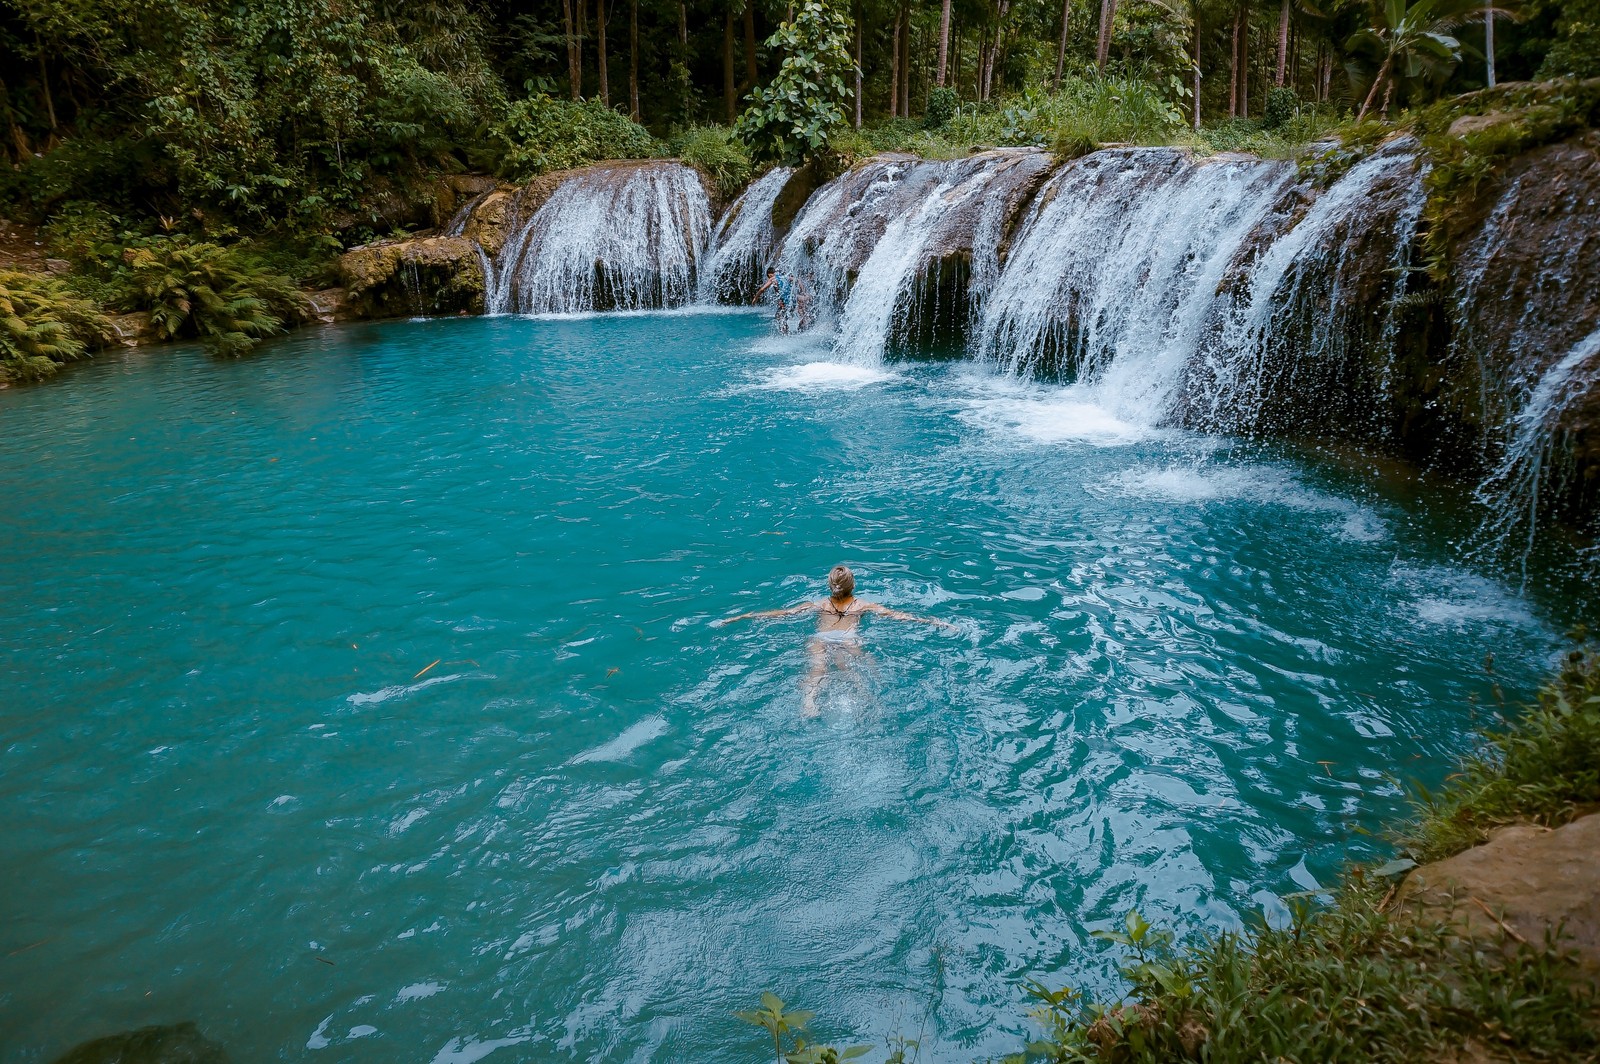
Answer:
(841, 581)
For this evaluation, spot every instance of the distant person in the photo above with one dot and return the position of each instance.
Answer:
(793, 297)
(837, 639)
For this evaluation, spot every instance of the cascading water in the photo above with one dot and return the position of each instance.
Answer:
(1511, 492)
(1116, 267)
(890, 248)
(622, 237)
(1284, 331)
(744, 241)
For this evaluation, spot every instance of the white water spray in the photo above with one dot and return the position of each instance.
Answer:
(625, 238)
(744, 241)
(1116, 267)
(1511, 491)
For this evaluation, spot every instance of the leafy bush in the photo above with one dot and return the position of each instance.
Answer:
(1281, 106)
(942, 105)
(719, 153)
(793, 118)
(1577, 53)
(43, 323)
(221, 296)
(540, 134)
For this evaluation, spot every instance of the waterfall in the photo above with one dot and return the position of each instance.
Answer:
(891, 248)
(1116, 267)
(1511, 491)
(744, 242)
(609, 237)
(1284, 332)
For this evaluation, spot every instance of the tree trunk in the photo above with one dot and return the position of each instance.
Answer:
(1283, 45)
(1488, 43)
(49, 101)
(633, 61)
(729, 93)
(894, 70)
(574, 71)
(1372, 93)
(1108, 15)
(944, 42)
(583, 35)
(600, 49)
(750, 75)
(1233, 70)
(1061, 49)
(1244, 61)
(1197, 66)
(904, 64)
(683, 57)
(857, 16)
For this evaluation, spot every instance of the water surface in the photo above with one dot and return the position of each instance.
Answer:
(363, 701)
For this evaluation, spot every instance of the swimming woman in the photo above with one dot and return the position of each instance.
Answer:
(838, 618)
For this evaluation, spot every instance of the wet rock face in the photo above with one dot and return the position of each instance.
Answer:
(180, 1043)
(624, 235)
(1526, 273)
(425, 276)
(1304, 339)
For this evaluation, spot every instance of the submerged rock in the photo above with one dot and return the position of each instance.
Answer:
(179, 1043)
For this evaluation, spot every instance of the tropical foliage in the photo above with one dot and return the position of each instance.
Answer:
(43, 324)
(210, 293)
(794, 116)
(540, 134)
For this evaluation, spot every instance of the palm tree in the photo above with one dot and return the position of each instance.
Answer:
(1411, 37)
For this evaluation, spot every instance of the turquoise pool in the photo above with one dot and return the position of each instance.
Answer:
(363, 701)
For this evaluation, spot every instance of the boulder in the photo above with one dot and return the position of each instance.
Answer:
(1524, 882)
(423, 276)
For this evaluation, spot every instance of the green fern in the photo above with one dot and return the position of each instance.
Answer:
(214, 294)
(43, 323)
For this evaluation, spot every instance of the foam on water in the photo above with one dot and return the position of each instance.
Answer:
(823, 377)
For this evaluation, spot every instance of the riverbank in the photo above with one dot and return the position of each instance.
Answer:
(1489, 952)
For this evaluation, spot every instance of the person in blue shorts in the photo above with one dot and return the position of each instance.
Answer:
(792, 295)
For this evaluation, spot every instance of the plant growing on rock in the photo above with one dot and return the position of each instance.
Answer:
(793, 118)
(214, 294)
(540, 134)
(718, 153)
(43, 323)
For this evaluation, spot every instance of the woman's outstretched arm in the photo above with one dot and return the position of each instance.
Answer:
(804, 607)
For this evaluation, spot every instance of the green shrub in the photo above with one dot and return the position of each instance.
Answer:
(540, 134)
(43, 323)
(1577, 53)
(1355, 981)
(1282, 103)
(717, 152)
(942, 104)
(220, 296)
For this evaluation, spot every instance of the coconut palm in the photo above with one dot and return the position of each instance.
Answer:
(1410, 38)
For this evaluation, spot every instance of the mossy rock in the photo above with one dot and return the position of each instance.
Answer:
(429, 276)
